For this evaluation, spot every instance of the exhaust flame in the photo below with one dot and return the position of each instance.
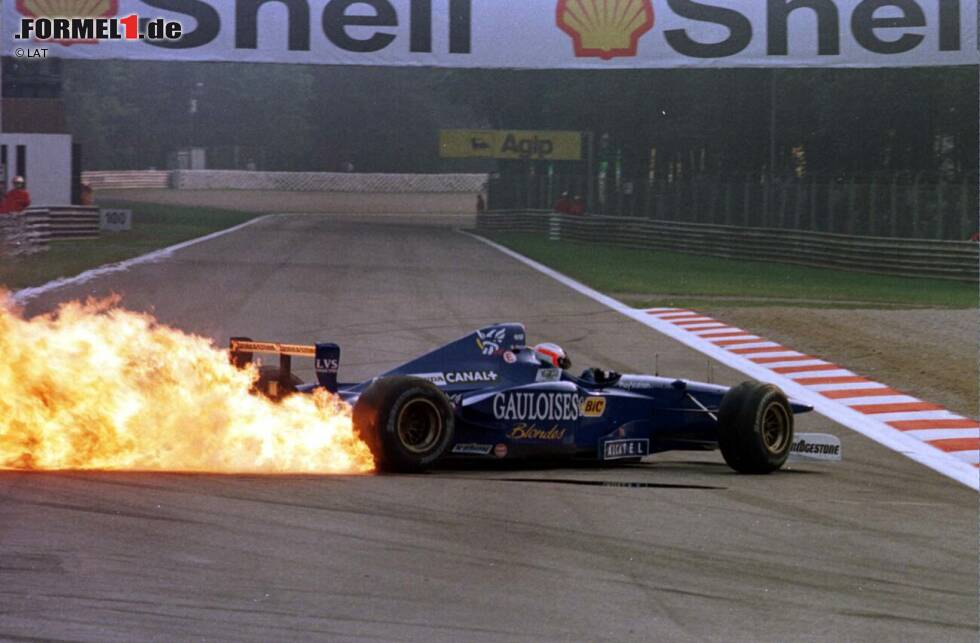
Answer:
(93, 386)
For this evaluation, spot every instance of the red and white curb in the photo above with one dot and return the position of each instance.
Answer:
(927, 433)
(891, 410)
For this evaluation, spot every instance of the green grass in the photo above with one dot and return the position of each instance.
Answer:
(661, 278)
(154, 227)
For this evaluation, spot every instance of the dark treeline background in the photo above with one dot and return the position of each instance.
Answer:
(134, 115)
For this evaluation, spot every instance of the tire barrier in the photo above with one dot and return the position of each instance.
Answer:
(953, 260)
(66, 223)
(25, 233)
(33, 229)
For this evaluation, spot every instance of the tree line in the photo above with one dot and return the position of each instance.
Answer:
(827, 122)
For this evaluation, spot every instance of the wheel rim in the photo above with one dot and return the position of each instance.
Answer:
(775, 427)
(419, 425)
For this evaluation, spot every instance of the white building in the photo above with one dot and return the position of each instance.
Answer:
(44, 160)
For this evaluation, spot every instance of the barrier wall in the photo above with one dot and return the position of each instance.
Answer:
(128, 180)
(955, 260)
(288, 181)
(319, 192)
(328, 182)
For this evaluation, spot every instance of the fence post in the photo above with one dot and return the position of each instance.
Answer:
(766, 201)
(914, 188)
(728, 203)
(814, 193)
(695, 201)
(746, 219)
(715, 192)
(798, 205)
(675, 187)
(967, 223)
(851, 198)
(873, 225)
(940, 209)
(893, 189)
(783, 199)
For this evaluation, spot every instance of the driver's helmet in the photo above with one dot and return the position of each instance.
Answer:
(551, 355)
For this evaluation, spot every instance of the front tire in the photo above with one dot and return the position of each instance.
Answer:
(755, 428)
(407, 422)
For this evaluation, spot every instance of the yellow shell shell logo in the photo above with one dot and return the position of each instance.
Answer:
(605, 28)
(67, 8)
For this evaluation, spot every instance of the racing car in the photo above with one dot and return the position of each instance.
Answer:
(490, 396)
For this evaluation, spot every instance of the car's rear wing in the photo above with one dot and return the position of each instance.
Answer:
(326, 358)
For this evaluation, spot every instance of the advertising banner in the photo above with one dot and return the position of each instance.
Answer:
(519, 34)
(510, 144)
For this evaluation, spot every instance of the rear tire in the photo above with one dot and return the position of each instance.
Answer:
(407, 422)
(755, 428)
(269, 385)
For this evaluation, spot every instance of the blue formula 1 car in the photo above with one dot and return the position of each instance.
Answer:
(490, 396)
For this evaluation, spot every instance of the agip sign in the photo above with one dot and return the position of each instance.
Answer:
(510, 144)
(528, 34)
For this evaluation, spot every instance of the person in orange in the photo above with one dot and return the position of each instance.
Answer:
(19, 198)
(86, 196)
(578, 205)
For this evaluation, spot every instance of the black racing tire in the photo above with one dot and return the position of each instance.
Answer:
(269, 385)
(407, 422)
(755, 430)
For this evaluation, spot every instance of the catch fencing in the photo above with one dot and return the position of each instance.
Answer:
(954, 260)
(900, 204)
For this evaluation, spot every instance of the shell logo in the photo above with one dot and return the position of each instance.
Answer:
(67, 8)
(605, 28)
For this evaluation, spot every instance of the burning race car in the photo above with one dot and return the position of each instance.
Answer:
(490, 396)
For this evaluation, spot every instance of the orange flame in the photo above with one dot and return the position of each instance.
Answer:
(92, 386)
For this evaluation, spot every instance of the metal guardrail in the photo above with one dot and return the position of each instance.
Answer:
(954, 260)
(919, 205)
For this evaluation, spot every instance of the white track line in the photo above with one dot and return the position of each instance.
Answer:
(956, 465)
(26, 294)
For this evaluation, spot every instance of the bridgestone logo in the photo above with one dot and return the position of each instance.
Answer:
(817, 449)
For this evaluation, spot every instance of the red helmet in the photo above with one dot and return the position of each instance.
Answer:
(551, 355)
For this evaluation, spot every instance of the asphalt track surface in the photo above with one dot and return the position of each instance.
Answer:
(874, 548)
